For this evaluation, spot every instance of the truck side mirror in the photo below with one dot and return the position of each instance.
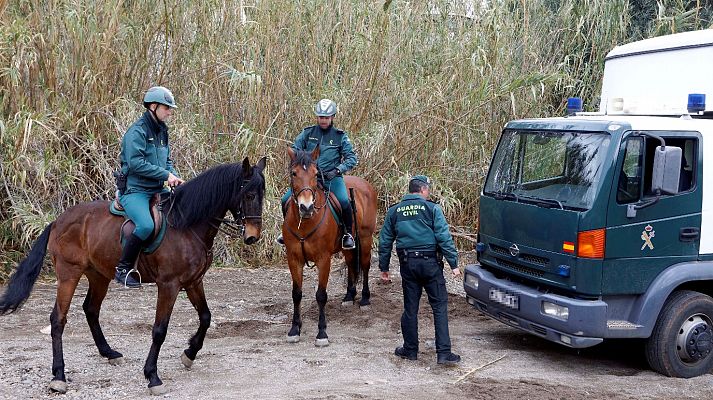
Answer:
(667, 169)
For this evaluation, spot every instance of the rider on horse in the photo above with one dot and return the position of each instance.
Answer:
(146, 163)
(336, 156)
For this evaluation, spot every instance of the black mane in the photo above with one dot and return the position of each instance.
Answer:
(211, 193)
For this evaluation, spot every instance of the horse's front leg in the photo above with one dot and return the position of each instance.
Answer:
(167, 294)
(323, 267)
(196, 294)
(296, 270)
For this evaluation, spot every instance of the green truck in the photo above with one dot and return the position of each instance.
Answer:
(599, 225)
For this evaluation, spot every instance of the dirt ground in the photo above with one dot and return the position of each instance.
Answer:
(245, 355)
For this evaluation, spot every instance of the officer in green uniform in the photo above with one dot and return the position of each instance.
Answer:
(336, 156)
(146, 163)
(420, 231)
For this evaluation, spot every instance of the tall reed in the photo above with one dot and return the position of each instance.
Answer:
(423, 87)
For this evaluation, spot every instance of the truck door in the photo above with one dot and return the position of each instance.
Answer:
(666, 232)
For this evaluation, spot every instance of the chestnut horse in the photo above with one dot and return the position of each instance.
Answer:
(84, 240)
(311, 235)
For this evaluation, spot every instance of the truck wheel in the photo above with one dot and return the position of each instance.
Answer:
(680, 344)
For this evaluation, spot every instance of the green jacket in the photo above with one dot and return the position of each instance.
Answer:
(416, 224)
(335, 149)
(146, 156)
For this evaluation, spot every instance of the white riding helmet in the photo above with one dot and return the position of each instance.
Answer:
(161, 95)
(325, 108)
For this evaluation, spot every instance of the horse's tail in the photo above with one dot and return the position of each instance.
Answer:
(356, 265)
(22, 281)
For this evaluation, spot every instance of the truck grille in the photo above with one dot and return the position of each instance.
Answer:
(525, 257)
(499, 250)
(519, 268)
(535, 259)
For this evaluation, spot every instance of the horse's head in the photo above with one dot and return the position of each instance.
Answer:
(247, 206)
(303, 180)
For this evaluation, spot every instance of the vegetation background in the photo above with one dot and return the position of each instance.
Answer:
(423, 87)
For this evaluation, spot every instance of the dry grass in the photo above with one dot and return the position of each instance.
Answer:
(423, 87)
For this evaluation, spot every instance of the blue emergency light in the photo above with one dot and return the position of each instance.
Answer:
(696, 102)
(574, 105)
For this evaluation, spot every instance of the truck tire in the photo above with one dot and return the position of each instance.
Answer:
(680, 344)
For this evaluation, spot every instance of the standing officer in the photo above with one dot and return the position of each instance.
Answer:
(421, 232)
(146, 163)
(336, 157)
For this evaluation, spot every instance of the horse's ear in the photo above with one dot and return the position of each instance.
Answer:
(291, 153)
(315, 153)
(261, 164)
(247, 168)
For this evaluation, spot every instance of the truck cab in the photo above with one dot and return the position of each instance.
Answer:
(600, 225)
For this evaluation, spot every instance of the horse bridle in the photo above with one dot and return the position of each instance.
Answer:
(237, 226)
(234, 226)
(295, 195)
(302, 239)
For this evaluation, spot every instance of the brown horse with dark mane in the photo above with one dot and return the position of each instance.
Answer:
(311, 235)
(84, 240)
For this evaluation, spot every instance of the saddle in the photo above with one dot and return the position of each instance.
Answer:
(159, 222)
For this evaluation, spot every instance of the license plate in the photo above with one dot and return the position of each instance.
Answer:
(506, 299)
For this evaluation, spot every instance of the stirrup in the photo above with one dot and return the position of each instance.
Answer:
(344, 238)
(126, 278)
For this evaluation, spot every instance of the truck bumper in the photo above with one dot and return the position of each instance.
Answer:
(522, 307)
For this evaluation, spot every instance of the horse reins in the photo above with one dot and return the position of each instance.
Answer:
(234, 227)
(321, 220)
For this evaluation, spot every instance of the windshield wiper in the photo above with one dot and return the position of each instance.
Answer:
(547, 203)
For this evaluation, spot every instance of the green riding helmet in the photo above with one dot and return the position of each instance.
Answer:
(325, 108)
(161, 95)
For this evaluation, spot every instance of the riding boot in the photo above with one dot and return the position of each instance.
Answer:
(129, 254)
(347, 218)
(280, 240)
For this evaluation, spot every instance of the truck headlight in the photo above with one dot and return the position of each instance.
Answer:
(555, 310)
(472, 280)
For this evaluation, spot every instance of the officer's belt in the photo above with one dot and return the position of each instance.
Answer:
(416, 253)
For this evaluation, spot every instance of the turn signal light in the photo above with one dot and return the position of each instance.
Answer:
(590, 244)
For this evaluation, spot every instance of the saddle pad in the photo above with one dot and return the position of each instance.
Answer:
(154, 243)
(113, 210)
(158, 238)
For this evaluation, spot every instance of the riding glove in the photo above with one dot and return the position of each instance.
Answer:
(331, 174)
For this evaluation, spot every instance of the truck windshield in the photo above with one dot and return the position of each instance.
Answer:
(554, 169)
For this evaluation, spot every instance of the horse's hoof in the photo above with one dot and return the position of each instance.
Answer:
(365, 307)
(58, 386)
(321, 342)
(116, 361)
(293, 339)
(187, 362)
(347, 303)
(158, 390)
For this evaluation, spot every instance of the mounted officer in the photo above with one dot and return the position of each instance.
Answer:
(146, 164)
(420, 231)
(336, 157)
